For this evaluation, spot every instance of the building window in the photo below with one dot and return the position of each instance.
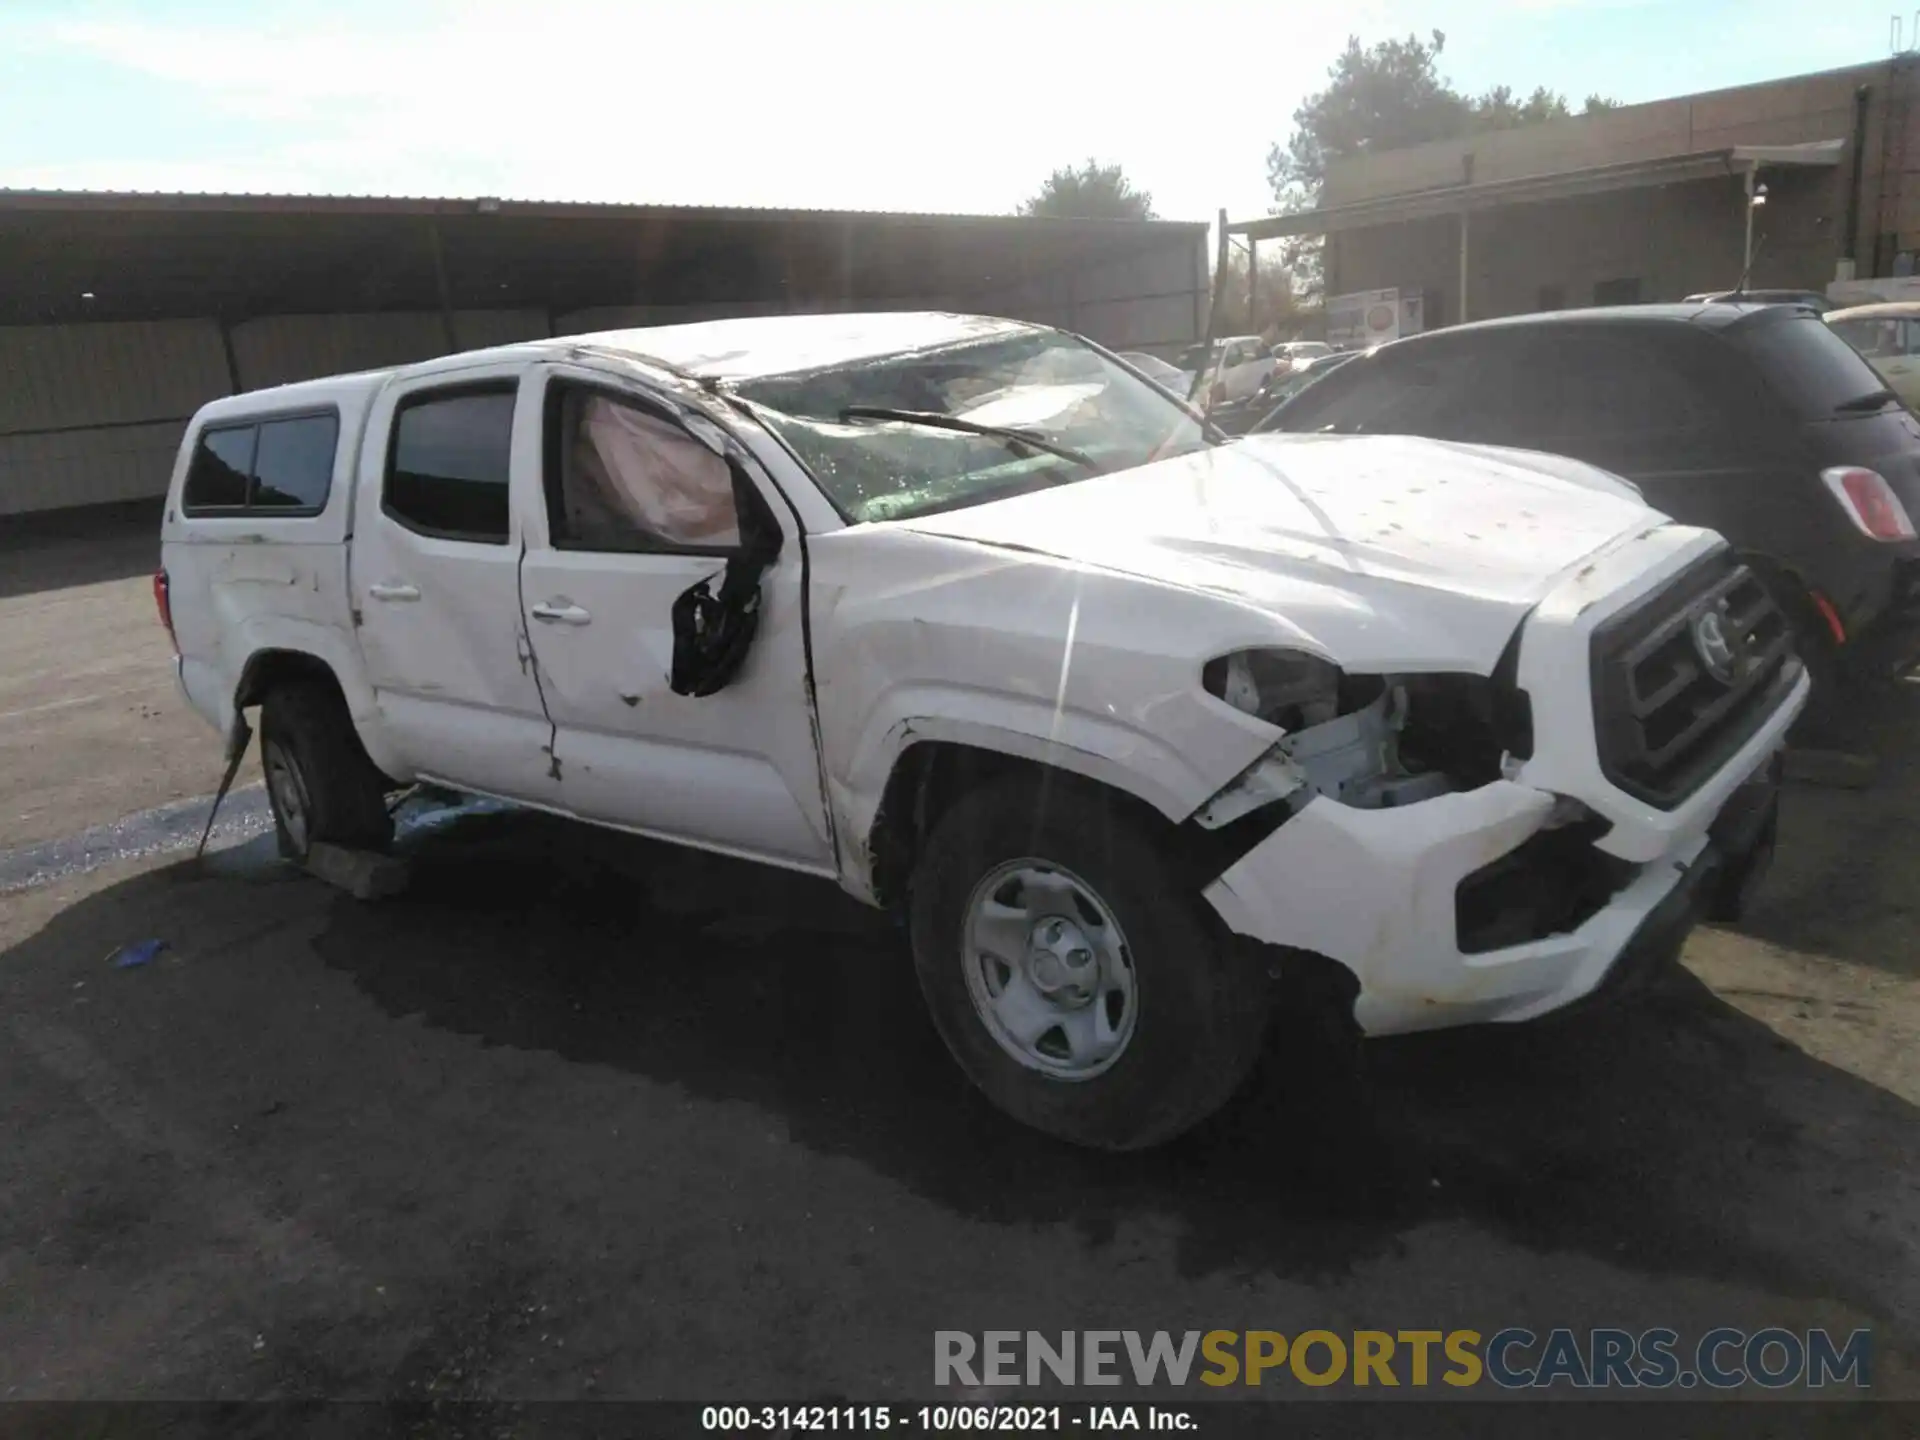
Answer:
(1617, 292)
(1552, 297)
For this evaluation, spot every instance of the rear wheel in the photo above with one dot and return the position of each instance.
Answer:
(1074, 980)
(320, 783)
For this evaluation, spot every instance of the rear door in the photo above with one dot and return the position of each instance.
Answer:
(435, 582)
(639, 509)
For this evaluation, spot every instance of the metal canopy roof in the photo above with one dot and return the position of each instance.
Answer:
(1532, 189)
(153, 256)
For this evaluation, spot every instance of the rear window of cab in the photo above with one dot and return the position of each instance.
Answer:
(273, 464)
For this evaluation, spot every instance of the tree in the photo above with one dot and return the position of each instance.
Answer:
(1498, 110)
(1387, 96)
(1275, 307)
(1090, 192)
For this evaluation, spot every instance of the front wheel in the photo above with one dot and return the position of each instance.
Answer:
(1074, 979)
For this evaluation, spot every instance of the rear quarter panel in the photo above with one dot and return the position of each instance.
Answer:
(244, 582)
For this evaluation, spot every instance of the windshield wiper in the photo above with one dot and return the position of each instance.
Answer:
(934, 420)
(1872, 400)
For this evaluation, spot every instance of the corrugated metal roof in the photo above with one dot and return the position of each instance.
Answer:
(100, 255)
(280, 203)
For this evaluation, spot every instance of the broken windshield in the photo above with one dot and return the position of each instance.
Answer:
(957, 406)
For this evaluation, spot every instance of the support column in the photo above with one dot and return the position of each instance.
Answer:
(1253, 286)
(1746, 253)
(440, 285)
(1465, 229)
(232, 356)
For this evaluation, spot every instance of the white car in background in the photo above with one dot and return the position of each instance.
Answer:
(1170, 378)
(1231, 371)
(1297, 355)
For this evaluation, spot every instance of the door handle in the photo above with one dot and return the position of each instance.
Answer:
(394, 592)
(560, 612)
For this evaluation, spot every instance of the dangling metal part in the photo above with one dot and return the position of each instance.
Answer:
(238, 739)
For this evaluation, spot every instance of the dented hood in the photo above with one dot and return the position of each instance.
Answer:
(1384, 551)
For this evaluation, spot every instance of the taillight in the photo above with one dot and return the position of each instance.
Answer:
(163, 602)
(1869, 502)
(1219, 394)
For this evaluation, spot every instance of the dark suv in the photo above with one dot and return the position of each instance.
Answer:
(1754, 420)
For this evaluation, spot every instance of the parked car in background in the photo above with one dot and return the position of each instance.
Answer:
(1758, 421)
(1245, 416)
(1888, 336)
(1281, 388)
(967, 617)
(1231, 370)
(1296, 355)
(1812, 299)
(1168, 377)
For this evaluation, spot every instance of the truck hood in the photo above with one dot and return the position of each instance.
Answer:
(1385, 552)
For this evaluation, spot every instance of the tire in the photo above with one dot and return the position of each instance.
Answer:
(1194, 1009)
(320, 783)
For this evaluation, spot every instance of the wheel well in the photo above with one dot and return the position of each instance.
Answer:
(268, 669)
(930, 775)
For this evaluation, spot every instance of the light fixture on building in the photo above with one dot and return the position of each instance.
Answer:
(86, 295)
(1759, 195)
(487, 205)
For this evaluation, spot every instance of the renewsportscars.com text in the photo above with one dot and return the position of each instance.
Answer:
(1509, 1359)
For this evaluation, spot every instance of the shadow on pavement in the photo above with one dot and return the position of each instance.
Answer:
(1638, 1138)
(1847, 880)
(1675, 1138)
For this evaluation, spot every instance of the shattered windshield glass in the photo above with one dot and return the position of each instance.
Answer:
(1051, 387)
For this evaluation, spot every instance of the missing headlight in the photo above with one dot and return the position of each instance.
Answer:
(1288, 688)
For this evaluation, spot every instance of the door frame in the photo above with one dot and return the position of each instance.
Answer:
(531, 518)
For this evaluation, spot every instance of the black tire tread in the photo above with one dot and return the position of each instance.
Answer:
(1213, 996)
(346, 793)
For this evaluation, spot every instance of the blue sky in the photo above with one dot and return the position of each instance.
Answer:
(909, 106)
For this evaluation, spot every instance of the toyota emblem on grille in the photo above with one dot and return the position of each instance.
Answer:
(1714, 645)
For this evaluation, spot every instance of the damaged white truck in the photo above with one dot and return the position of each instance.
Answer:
(1143, 731)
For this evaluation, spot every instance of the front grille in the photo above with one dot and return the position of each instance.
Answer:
(1683, 679)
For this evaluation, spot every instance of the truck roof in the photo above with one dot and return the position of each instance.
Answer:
(344, 391)
(752, 349)
(724, 350)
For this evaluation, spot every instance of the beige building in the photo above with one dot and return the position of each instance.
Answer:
(1647, 202)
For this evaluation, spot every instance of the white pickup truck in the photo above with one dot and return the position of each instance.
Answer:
(1143, 731)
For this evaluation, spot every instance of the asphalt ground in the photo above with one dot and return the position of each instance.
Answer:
(582, 1117)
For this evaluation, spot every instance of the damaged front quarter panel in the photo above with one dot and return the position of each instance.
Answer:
(1343, 845)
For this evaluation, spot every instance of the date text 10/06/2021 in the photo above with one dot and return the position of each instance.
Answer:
(1038, 1419)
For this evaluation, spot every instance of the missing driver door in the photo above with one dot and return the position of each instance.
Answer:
(635, 511)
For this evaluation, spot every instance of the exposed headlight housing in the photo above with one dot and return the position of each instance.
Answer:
(1291, 689)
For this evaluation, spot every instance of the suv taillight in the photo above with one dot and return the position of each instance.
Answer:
(163, 602)
(1869, 502)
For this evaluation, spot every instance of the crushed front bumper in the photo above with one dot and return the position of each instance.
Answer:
(1398, 931)
(1380, 890)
